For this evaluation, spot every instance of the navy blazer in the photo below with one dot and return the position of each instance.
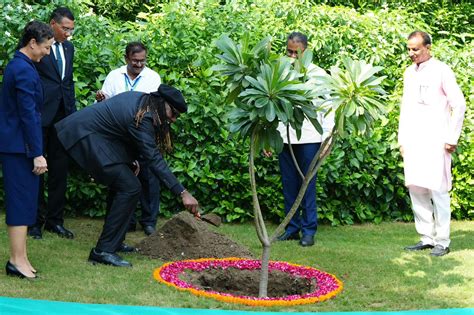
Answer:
(107, 134)
(55, 89)
(20, 108)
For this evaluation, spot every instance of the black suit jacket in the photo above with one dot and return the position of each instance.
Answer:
(105, 133)
(56, 90)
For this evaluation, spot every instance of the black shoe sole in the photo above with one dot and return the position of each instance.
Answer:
(441, 254)
(95, 262)
(419, 248)
(290, 238)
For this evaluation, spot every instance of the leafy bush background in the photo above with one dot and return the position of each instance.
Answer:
(362, 180)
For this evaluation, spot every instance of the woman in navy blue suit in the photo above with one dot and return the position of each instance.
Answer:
(21, 148)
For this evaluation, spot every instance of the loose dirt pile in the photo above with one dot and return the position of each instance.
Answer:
(185, 237)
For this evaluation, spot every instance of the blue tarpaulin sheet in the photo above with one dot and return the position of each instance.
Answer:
(17, 306)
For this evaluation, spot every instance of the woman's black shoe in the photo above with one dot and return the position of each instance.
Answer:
(14, 272)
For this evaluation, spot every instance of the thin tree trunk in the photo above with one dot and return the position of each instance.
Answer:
(263, 285)
(290, 147)
(259, 223)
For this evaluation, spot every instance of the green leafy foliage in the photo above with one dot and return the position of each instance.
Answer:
(267, 89)
(354, 94)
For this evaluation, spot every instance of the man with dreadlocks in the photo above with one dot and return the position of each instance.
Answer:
(106, 138)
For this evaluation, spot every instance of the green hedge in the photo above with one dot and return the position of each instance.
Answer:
(362, 180)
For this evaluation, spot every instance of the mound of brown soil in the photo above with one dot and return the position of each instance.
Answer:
(185, 237)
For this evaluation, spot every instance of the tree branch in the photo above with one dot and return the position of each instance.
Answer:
(290, 147)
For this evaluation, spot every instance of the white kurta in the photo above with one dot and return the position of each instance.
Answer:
(431, 116)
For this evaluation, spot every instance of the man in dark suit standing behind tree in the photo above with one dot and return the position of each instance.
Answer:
(55, 72)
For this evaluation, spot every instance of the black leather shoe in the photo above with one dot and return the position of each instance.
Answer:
(124, 248)
(99, 257)
(11, 270)
(148, 229)
(439, 250)
(35, 232)
(287, 237)
(60, 230)
(307, 240)
(418, 246)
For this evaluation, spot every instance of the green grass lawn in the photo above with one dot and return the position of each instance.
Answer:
(378, 274)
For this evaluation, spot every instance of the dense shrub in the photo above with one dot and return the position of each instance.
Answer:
(363, 178)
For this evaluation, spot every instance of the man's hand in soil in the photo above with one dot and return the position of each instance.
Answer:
(190, 203)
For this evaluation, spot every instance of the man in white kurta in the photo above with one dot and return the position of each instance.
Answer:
(431, 116)
(136, 76)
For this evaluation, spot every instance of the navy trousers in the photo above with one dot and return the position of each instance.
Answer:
(306, 218)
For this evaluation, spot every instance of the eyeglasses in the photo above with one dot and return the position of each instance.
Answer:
(138, 62)
(67, 30)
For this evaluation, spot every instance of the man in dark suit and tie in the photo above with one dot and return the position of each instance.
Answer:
(106, 138)
(55, 71)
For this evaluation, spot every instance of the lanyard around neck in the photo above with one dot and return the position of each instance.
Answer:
(128, 85)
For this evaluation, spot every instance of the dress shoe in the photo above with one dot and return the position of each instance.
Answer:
(287, 237)
(418, 246)
(307, 240)
(124, 248)
(35, 232)
(60, 230)
(439, 250)
(148, 229)
(11, 270)
(106, 258)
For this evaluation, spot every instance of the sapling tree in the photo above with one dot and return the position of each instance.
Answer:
(268, 89)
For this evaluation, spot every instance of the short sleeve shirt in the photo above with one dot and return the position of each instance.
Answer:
(118, 81)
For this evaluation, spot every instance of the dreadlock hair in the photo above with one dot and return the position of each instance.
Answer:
(155, 104)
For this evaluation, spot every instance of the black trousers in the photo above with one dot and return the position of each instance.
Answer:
(51, 212)
(149, 197)
(124, 191)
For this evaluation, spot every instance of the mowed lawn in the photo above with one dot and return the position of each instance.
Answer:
(378, 274)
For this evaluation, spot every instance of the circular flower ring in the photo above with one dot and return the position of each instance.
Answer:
(328, 285)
